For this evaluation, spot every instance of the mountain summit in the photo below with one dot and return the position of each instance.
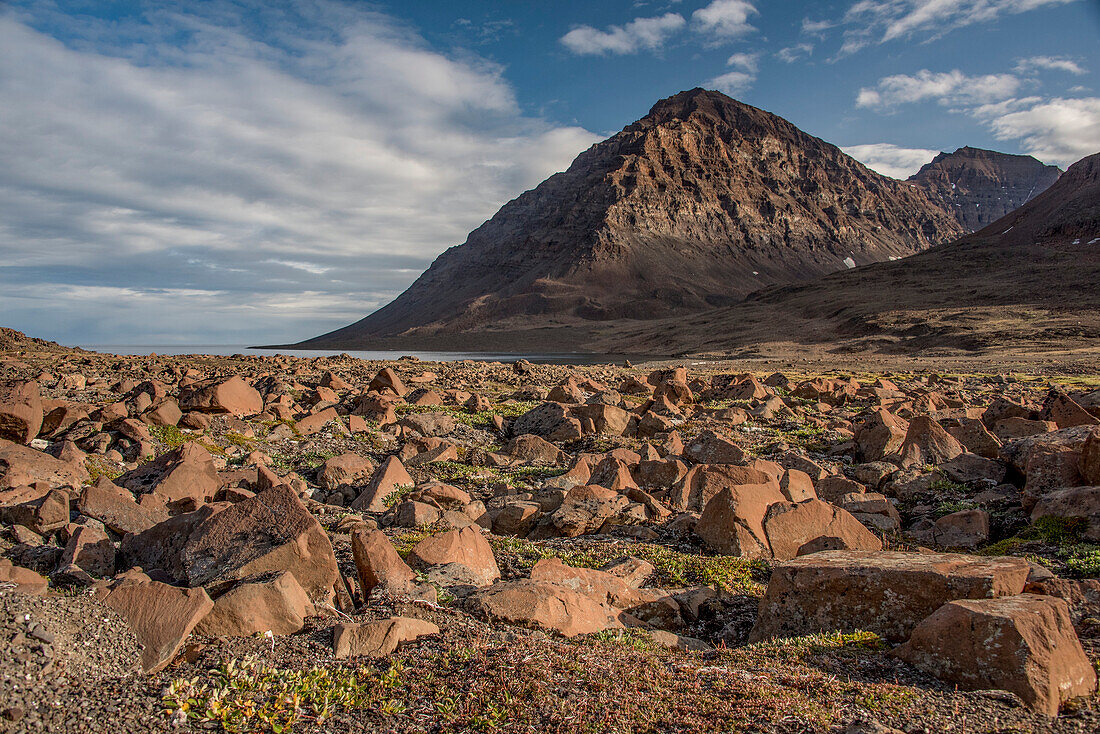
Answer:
(701, 202)
(983, 185)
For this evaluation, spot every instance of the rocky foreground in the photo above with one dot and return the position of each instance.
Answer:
(282, 544)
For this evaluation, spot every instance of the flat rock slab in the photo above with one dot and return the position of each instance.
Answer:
(1024, 644)
(161, 617)
(885, 592)
(276, 604)
(378, 639)
(548, 606)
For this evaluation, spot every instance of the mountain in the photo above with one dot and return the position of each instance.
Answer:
(696, 205)
(1028, 282)
(982, 186)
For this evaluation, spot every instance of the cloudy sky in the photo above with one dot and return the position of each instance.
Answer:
(245, 171)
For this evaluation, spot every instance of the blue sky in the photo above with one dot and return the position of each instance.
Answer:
(245, 171)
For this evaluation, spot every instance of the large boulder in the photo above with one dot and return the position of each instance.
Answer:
(551, 421)
(887, 592)
(234, 396)
(20, 411)
(115, 507)
(791, 528)
(387, 478)
(529, 448)
(880, 434)
(377, 563)
(272, 531)
(584, 510)
(22, 465)
(1072, 502)
(379, 638)
(1024, 644)
(1089, 461)
(274, 603)
(714, 448)
(344, 469)
(543, 605)
(927, 443)
(733, 521)
(702, 483)
(465, 546)
(161, 617)
(184, 477)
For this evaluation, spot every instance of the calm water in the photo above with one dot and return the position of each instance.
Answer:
(229, 349)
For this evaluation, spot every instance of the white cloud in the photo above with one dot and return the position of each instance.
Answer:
(640, 34)
(792, 54)
(724, 19)
(325, 166)
(890, 160)
(952, 87)
(1049, 63)
(871, 21)
(732, 83)
(816, 27)
(1056, 130)
(743, 61)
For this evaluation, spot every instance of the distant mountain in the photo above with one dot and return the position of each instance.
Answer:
(1028, 282)
(696, 205)
(982, 186)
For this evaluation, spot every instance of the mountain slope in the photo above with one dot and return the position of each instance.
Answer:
(696, 205)
(982, 186)
(1030, 281)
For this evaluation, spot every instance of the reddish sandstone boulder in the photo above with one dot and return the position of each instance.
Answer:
(887, 592)
(115, 507)
(22, 465)
(343, 469)
(272, 531)
(733, 522)
(161, 617)
(313, 423)
(25, 580)
(185, 477)
(275, 603)
(927, 443)
(1024, 644)
(379, 638)
(378, 564)
(702, 483)
(529, 448)
(387, 381)
(234, 396)
(20, 411)
(790, 527)
(466, 546)
(881, 434)
(387, 478)
(543, 605)
(713, 448)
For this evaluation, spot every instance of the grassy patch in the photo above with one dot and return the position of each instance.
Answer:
(247, 695)
(98, 467)
(1053, 541)
(171, 436)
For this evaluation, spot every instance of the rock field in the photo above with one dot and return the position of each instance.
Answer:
(270, 543)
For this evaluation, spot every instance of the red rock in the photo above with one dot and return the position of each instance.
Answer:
(161, 617)
(91, 550)
(390, 475)
(530, 448)
(1073, 502)
(272, 531)
(797, 486)
(1008, 429)
(1050, 467)
(551, 421)
(606, 420)
(973, 434)
(885, 592)
(25, 580)
(43, 510)
(712, 448)
(234, 396)
(543, 605)
(1024, 644)
(466, 546)
(1089, 462)
(1066, 412)
(790, 527)
(22, 465)
(927, 443)
(387, 381)
(184, 477)
(964, 529)
(276, 604)
(20, 411)
(343, 469)
(313, 423)
(167, 413)
(835, 486)
(585, 509)
(733, 522)
(881, 434)
(378, 564)
(702, 483)
(379, 638)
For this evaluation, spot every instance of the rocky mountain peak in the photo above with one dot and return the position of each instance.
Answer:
(983, 185)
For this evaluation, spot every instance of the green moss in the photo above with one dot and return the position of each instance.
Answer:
(1063, 535)
(171, 436)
